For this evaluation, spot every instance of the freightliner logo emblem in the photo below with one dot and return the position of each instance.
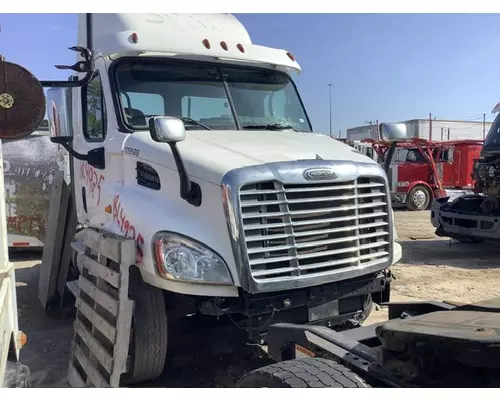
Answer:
(318, 174)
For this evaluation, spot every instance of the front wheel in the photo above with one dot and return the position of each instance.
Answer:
(418, 198)
(304, 373)
(148, 341)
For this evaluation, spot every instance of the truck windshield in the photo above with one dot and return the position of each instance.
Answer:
(208, 97)
(492, 140)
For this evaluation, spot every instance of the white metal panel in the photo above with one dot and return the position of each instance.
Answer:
(458, 130)
(362, 132)
(179, 34)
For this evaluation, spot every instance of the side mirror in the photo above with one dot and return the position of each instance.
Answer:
(393, 132)
(58, 112)
(171, 130)
(167, 129)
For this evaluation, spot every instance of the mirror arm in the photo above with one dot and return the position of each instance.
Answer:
(190, 191)
(64, 142)
(95, 157)
(70, 84)
(388, 156)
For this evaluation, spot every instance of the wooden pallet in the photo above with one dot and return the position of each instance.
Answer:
(104, 312)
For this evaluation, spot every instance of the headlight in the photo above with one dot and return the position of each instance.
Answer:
(181, 259)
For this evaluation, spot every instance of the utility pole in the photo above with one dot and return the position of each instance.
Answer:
(330, 97)
(484, 125)
(430, 127)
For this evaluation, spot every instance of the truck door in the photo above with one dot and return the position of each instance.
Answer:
(448, 176)
(90, 132)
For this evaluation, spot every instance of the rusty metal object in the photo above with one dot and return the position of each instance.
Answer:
(22, 101)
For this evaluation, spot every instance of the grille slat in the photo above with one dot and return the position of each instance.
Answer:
(310, 200)
(317, 232)
(291, 230)
(317, 243)
(250, 192)
(264, 272)
(315, 211)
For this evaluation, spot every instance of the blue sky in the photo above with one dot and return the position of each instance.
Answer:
(388, 67)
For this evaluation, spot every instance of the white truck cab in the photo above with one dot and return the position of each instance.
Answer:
(195, 142)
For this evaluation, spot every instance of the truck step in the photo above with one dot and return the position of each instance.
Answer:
(73, 287)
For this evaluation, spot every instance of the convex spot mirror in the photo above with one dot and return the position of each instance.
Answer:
(393, 132)
(58, 112)
(167, 129)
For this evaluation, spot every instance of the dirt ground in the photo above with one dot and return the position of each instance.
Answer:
(431, 268)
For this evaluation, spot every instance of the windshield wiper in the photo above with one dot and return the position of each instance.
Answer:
(194, 122)
(271, 127)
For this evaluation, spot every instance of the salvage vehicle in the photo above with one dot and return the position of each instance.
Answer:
(423, 170)
(475, 217)
(193, 141)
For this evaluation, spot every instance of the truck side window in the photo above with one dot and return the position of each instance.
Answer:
(94, 128)
(446, 155)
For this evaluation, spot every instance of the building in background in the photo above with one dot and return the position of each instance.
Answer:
(425, 129)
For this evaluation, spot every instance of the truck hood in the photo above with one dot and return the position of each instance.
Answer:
(209, 155)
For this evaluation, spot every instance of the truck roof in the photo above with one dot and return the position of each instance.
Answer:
(216, 37)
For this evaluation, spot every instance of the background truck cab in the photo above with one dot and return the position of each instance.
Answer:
(423, 170)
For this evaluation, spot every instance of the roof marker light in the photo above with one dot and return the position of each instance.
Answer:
(134, 37)
(290, 56)
(206, 43)
(240, 47)
(224, 45)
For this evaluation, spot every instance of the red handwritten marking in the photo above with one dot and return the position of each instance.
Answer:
(126, 227)
(92, 180)
(17, 222)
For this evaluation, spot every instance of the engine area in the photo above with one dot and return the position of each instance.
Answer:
(486, 174)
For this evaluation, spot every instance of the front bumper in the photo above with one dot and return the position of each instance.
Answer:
(331, 304)
(459, 224)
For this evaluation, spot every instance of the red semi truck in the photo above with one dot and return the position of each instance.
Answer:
(422, 170)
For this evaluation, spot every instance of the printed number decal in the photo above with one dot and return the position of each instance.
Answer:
(131, 151)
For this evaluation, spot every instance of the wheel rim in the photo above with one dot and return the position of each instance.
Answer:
(419, 198)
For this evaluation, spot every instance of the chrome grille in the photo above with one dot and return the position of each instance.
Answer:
(292, 230)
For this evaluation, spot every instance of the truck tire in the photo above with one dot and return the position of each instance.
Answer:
(303, 373)
(148, 336)
(418, 198)
(17, 375)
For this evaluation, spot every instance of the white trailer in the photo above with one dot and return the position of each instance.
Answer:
(436, 130)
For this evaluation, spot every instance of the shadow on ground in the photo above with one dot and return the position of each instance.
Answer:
(214, 355)
(450, 253)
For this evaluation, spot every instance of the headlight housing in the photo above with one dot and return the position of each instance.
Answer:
(179, 258)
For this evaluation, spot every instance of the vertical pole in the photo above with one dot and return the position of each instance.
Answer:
(442, 133)
(448, 133)
(89, 30)
(484, 125)
(330, 103)
(430, 127)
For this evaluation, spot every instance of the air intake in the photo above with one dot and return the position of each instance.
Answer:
(147, 176)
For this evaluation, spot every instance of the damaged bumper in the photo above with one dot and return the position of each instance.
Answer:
(458, 223)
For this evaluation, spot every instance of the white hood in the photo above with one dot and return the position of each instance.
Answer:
(209, 155)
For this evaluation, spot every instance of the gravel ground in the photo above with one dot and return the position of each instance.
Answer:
(431, 268)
